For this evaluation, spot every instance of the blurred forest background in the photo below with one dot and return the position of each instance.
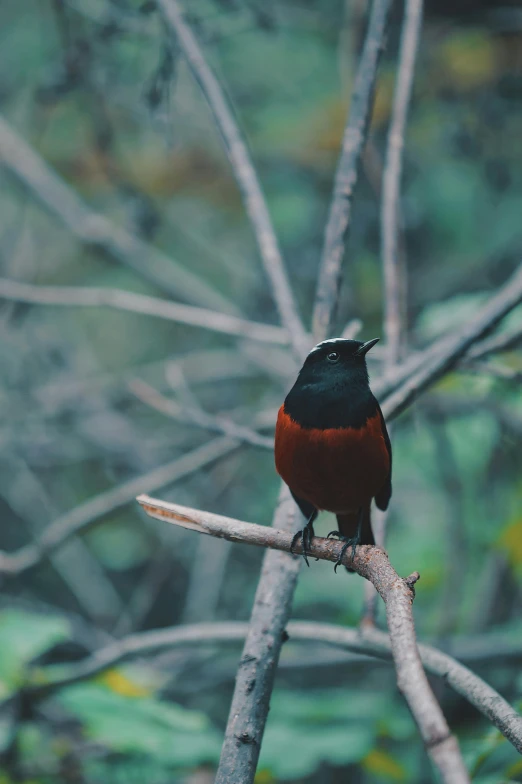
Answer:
(95, 401)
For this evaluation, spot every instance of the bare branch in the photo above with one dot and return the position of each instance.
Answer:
(329, 280)
(244, 173)
(147, 394)
(366, 642)
(397, 594)
(456, 675)
(390, 208)
(498, 343)
(94, 229)
(258, 664)
(500, 372)
(78, 568)
(84, 515)
(78, 296)
(417, 375)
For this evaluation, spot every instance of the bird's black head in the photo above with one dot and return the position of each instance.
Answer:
(332, 388)
(336, 359)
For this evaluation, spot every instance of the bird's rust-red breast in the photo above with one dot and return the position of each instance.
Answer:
(335, 469)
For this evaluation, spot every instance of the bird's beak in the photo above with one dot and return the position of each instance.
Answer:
(366, 347)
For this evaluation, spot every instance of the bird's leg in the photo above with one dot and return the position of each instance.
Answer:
(306, 535)
(349, 541)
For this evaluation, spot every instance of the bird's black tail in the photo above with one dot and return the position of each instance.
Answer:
(348, 522)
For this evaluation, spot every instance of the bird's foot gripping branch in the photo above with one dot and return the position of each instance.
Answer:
(397, 593)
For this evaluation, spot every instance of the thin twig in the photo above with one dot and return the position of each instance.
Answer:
(244, 173)
(329, 279)
(366, 642)
(446, 352)
(451, 347)
(78, 296)
(182, 413)
(87, 513)
(397, 594)
(94, 229)
(455, 674)
(78, 568)
(394, 326)
(498, 343)
(500, 372)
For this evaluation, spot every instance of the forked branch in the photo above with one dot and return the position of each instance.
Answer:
(397, 593)
(244, 172)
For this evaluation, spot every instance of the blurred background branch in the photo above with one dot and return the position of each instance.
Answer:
(354, 140)
(244, 173)
(139, 303)
(394, 266)
(88, 513)
(369, 642)
(94, 229)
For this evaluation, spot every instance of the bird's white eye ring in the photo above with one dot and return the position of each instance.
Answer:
(333, 356)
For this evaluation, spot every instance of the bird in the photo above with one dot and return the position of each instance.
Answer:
(332, 447)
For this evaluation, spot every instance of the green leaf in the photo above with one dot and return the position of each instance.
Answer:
(118, 545)
(23, 636)
(146, 726)
(382, 764)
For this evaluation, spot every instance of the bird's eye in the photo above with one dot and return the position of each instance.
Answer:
(333, 356)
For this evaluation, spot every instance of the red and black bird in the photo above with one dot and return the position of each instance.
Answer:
(331, 447)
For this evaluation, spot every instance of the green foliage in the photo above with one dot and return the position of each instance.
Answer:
(323, 727)
(338, 727)
(145, 726)
(23, 637)
(120, 546)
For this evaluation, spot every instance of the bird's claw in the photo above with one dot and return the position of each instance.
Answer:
(297, 536)
(305, 535)
(348, 542)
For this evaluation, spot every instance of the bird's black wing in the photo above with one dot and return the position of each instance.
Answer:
(382, 499)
